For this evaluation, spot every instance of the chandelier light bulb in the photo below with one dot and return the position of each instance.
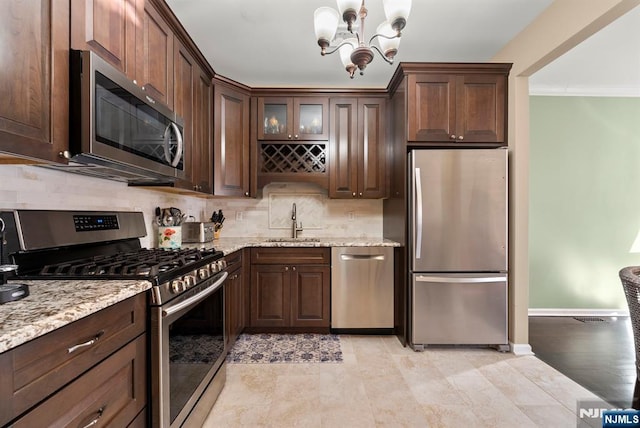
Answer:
(345, 55)
(349, 11)
(390, 42)
(325, 22)
(397, 13)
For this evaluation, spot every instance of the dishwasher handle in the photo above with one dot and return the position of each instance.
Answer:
(361, 256)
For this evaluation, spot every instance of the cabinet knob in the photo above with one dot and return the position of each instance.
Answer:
(289, 136)
(246, 193)
(66, 154)
(353, 194)
(360, 193)
(286, 268)
(452, 137)
(461, 137)
(293, 268)
(295, 136)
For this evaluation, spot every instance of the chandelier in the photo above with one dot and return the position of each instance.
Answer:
(354, 52)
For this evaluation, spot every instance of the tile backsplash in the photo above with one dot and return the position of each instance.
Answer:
(269, 215)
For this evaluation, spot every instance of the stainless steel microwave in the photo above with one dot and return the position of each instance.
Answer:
(117, 131)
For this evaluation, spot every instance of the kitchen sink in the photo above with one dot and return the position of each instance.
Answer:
(293, 240)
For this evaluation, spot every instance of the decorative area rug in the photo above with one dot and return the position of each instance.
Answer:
(286, 348)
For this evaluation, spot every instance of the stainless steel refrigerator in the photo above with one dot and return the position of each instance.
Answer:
(458, 251)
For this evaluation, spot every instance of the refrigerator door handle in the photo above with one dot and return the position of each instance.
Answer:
(449, 279)
(417, 227)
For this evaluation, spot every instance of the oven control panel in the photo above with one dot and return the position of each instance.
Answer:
(84, 223)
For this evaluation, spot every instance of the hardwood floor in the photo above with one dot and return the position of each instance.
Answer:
(598, 355)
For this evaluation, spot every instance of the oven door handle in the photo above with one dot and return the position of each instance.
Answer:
(196, 298)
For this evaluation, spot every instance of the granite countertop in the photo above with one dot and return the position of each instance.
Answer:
(54, 304)
(229, 245)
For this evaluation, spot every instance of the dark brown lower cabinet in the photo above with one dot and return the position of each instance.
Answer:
(288, 295)
(93, 368)
(234, 305)
(111, 394)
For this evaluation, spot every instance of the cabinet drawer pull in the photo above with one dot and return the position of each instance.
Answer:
(85, 344)
(95, 420)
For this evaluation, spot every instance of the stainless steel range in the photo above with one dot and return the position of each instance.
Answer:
(186, 326)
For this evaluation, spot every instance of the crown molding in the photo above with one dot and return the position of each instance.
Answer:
(556, 91)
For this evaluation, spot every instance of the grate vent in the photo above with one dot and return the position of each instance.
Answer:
(590, 319)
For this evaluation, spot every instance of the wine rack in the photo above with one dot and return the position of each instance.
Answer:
(293, 158)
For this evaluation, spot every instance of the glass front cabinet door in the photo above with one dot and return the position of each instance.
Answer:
(298, 118)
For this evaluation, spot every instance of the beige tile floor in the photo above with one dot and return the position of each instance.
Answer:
(382, 384)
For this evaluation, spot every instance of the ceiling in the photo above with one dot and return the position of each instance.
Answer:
(605, 64)
(271, 43)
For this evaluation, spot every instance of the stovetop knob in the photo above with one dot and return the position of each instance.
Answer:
(177, 286)
(189, 281)
(203, 273)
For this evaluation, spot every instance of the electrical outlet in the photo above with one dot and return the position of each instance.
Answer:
(239, 215)
(351, 215)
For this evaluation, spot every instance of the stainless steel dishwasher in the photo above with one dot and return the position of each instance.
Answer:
(362, 288)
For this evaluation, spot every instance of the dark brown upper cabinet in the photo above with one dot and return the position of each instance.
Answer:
(133, 36)
(357, 148)
(458, 105)
(184, 79)
(154, 55)
(293, 118)
(231, 141)
(34, 97)
(202, 145)
(108, 28)
(192, 102)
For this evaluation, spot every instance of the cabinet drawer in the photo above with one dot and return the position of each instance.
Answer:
(233, 260)
(291, 255)
(42, 366)
(110, 394)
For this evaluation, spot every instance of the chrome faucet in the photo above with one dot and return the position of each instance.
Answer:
(294, 224)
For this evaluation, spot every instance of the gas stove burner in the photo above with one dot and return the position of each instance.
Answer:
(152, 264)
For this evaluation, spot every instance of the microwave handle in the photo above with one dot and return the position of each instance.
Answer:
(167, 153)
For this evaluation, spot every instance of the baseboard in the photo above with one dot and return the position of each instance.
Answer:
(521, 349)
(573, 312)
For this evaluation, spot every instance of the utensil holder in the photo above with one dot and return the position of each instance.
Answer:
(169, 237)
